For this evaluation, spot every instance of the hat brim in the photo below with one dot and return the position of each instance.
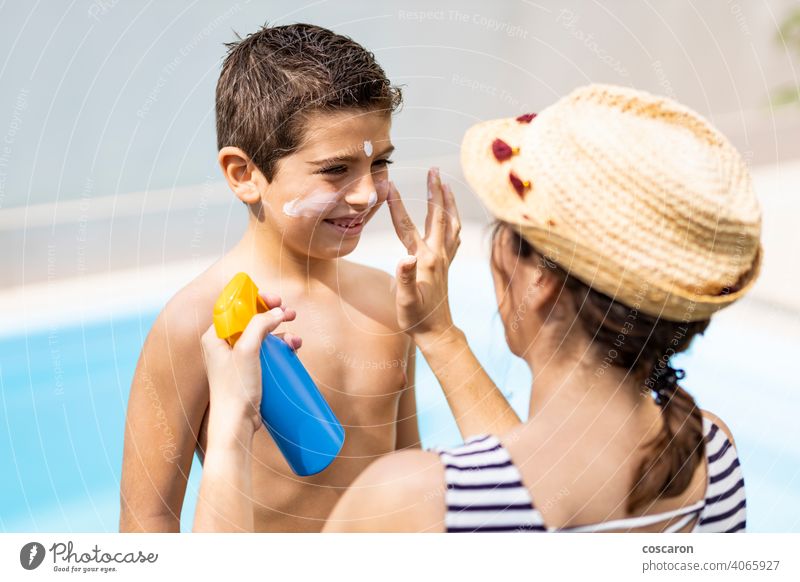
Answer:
(607, 273)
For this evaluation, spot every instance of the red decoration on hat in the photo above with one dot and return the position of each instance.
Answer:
(502, 151)
(519, 185)
(526, 118)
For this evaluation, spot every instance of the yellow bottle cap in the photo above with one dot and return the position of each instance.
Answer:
(236, 306)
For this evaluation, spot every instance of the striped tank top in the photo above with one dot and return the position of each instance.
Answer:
(485, 492)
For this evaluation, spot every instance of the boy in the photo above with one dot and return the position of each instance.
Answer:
(303, 118)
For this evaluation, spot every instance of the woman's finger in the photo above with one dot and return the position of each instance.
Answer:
(292, 340)
(271, 300)
(213, 348)
(288, 313)
(407, 292)
(260, 325)
(403, 225)
(453, 221)
(451, 208)
(431, 204)
(210, 340)
(436, 220)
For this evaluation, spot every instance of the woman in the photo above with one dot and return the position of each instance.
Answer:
(624, 221)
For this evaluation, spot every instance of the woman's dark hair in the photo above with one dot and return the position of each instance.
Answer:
(275, 76)
(642, 344)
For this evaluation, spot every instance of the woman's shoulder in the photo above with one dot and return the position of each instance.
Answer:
(400, 492)
(716, 420)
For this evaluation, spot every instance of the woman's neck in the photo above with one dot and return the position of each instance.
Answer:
(574, 380)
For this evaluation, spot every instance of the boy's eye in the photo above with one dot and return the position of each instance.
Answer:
(382, 163)
(333, 170)
(342, 169)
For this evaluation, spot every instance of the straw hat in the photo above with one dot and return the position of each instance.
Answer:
(635, 195)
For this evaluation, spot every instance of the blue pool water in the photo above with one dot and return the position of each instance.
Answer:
(63, 394)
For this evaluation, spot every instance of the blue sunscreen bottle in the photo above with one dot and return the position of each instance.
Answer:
(293, 410)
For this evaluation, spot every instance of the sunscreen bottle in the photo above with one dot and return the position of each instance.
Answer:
(294, 411)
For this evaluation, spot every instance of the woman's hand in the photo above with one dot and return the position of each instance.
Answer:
(234, 374)
(225, 502)
(422, 302)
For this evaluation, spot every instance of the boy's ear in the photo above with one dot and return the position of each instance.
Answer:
(242, 175)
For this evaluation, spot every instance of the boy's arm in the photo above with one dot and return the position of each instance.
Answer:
(407, 425)
(169, 396)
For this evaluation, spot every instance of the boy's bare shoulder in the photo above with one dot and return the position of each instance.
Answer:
(371, 285)
(188, 313)
(365, 275)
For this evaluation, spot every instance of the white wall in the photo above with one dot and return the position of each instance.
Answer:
(107, 96)
(107, 144)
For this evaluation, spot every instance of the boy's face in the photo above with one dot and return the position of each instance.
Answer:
(322, 196)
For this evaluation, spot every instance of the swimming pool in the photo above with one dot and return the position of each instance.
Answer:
(64, 389)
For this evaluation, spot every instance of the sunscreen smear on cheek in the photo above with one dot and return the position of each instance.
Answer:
(314, 204)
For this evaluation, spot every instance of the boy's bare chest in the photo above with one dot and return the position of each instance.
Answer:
(350, 352)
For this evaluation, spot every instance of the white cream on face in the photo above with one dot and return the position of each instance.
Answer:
(367, 148)
(373, 199)
(315, 204)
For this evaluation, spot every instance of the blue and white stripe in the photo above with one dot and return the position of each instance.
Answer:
(485, 492)
(726, 504)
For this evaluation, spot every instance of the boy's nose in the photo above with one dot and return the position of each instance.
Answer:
(363, 195)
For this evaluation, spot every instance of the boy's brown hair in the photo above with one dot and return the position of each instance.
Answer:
(274, 76)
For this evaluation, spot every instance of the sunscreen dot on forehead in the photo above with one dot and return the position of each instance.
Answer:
(367, 148)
